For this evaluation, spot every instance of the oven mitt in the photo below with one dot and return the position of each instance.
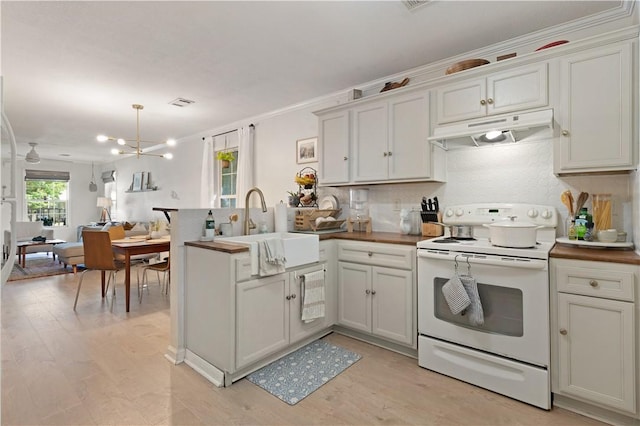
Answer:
(475, 312)
(455, 295)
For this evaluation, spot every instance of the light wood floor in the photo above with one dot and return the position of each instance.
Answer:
(105, 367)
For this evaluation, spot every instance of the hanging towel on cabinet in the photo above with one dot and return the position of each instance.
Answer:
(312, 300)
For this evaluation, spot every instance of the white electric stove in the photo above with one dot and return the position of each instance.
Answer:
(509, 351)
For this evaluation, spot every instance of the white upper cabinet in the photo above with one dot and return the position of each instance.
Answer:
(383, 140)
(333, 141)
(512, 90)
(596, 111)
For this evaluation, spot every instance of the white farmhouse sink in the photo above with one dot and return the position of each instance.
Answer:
(299, 249)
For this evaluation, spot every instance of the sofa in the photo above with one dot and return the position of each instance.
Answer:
(72, 254)
(25, 231)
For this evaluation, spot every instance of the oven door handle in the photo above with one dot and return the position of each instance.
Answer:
(492, 260)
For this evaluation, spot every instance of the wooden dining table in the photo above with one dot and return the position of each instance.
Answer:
(133, 246)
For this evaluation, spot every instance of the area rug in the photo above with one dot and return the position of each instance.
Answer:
(295, 376)
(38, 267)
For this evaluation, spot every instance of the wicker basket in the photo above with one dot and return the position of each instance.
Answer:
(465, 65)
(305, 220)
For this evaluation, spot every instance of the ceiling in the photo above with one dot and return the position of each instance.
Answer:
(73, 69)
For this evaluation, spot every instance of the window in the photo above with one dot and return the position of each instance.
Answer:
(47, 196)
(227, 182)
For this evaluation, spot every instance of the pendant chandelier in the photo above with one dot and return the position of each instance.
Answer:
(135, 149)
(93, 187)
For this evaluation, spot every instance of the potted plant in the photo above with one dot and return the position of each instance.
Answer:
(225, 157)
(294, 198)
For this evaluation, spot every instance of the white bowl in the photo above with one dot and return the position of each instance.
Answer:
(608, 235)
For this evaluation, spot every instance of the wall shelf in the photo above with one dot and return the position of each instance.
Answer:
(128, 191)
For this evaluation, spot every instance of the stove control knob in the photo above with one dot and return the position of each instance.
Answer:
(532, 213)
(546, 214)
(449, 213)
(459, 212)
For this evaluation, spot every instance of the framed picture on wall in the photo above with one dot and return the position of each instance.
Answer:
(137, 181)
(307, 150)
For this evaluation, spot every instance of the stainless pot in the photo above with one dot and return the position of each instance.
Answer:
(513, 234)
(461, 232)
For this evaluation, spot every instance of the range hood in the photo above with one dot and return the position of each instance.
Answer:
(505, 128)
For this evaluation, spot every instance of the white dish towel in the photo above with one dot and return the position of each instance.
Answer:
(312, 300)
(271, 257)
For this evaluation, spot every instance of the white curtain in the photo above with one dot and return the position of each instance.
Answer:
(245, 163)
(207, 183)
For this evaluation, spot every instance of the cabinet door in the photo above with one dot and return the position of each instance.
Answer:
(392, 300)
(596, 114)
(370, 142)
(517, 89)
(596, 348)
(461, 101)
(333, 149)
(409, 153)
(262, 318)
(354, 291)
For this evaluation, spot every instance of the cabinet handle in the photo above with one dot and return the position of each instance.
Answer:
(385, 154)
(389, 153)
(367, 291)
(593, 283)
(370, 253)
(563, 331)
(373, 292)
(565, 133)
(490, 101)
(483, 102)
(293, 296)
(345, 158)
(288, 297)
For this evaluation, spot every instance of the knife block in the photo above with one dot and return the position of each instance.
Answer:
(432, 229)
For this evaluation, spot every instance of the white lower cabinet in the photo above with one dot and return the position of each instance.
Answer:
(378, 300)
(594, 333)
(268, 312)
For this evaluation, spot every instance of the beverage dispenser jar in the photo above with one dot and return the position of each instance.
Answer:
(359, 204)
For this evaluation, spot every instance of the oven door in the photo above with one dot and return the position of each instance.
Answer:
(514, 293)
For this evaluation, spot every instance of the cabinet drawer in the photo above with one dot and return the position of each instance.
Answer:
(388, 255)
(606, 283)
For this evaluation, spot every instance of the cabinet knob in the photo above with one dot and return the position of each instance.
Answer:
(483, 102)
(389, 153)
(370, 253)
(593, 283)
(565, 133)
(367, 291)
(490, 101)
(385, 154)
(373, 292)
(345, 158)
(563, 331)
(293, 296)
(288, 297)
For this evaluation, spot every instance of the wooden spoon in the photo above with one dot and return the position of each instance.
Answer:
(582, 199)
(567, 200)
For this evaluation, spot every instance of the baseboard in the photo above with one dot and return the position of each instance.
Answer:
(205, 369)
(594, 412)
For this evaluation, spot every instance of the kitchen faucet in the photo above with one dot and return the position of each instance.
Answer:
(248, 223)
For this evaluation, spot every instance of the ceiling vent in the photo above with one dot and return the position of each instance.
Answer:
(415, 4)
(181, 102)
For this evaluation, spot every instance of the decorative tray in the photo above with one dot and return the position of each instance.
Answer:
(594, 244)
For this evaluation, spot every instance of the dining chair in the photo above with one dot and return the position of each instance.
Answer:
(98, 256)
(165, 268)
(117, 232)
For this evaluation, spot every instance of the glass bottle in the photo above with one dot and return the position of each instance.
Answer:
(573, 235)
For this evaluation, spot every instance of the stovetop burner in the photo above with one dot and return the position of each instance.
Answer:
(451, 240)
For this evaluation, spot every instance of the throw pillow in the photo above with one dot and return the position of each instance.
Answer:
(138, 227)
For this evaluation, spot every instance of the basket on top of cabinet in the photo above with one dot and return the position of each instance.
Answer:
(306, 220)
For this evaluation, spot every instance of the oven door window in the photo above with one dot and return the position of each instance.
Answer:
(502, 307)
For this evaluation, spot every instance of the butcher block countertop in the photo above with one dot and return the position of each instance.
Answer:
(374, 237)
(564, 251)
